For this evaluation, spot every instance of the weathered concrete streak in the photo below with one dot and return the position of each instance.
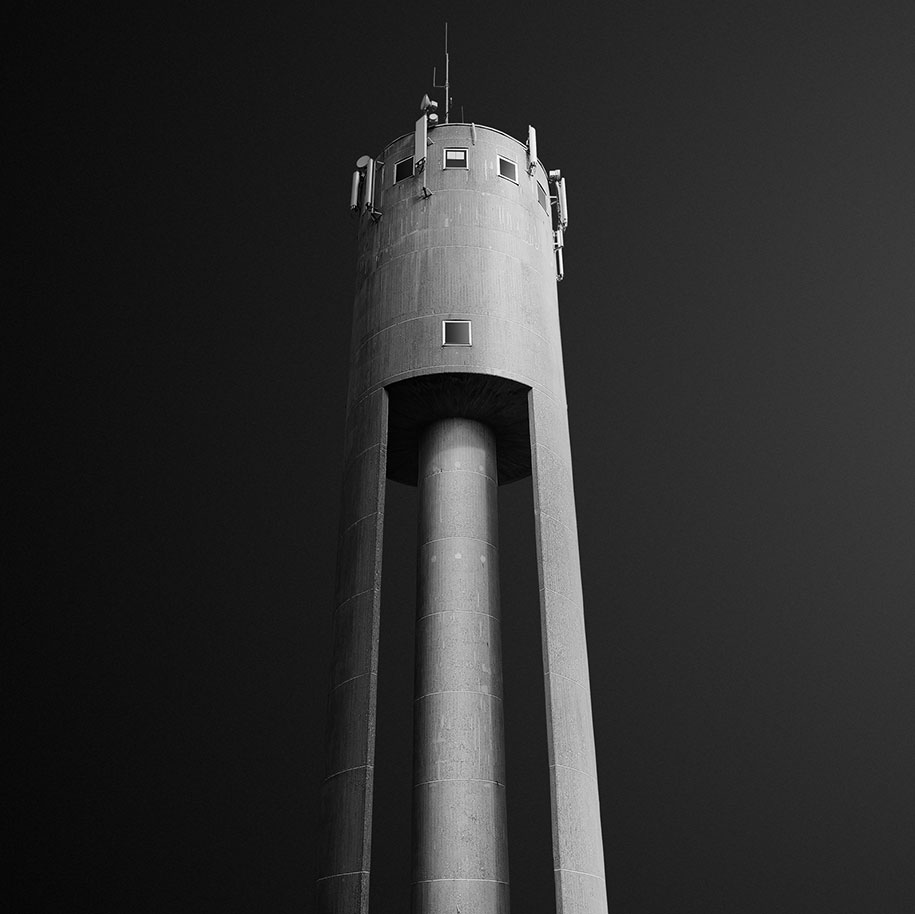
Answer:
(346, 797)
(460, 844)
(578, 857)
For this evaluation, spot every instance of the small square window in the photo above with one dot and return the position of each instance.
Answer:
(541, 198)
(456, 333)
(455, 158)
(508, 169)
(403, 169)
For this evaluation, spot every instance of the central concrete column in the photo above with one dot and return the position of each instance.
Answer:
(460, 847)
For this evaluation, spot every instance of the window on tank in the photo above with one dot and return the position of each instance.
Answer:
(456, 333)
(508, 169)
(541, 197)
(403, 169)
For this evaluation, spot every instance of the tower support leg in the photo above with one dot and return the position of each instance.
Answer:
(578, 857)
(349, 743)
(460, 848)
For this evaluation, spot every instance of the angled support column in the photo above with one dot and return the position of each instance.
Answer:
(346, 796)
(578, 858)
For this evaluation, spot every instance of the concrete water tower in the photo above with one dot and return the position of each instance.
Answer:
(456, 386)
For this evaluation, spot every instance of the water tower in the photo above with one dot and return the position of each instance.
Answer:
(456, 386)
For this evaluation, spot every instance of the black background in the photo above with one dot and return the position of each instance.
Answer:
(738, 330)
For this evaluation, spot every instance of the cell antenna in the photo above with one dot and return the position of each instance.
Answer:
(447, 84)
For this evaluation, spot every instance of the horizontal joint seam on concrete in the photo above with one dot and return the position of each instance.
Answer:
(365, 450)
(380, 260)
(451, 612)
(447, 780)
(472, 124)
(343, 603)
(581, 685)
(565, 869)
(587, 774)
(475, 191)
(330, 777)
(558, 521)
(359, 520)
(553, 450)
(494, 315)
(441, 539)
(489, 228)
(563, 459)
(463, 879)
(456, 692)
(565, 596)
(350, 873)
(345, 770)
(357, 676)
(460, 470)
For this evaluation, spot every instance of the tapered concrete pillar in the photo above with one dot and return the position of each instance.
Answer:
(349, 742)
(460, 850)
(578, 855)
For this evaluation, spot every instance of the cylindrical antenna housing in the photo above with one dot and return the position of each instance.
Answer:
(563, 203)
(354, 191)
(370, 185)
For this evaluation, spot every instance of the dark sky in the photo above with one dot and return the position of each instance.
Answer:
(738, 319)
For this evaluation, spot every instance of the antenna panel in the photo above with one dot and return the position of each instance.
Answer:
(563, 204)
(354, 191)
(419, 145)
(531, 149)
(370, 185)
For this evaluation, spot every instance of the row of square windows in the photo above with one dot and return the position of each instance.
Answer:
(458, 158)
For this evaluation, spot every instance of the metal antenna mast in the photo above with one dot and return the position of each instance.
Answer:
(447, 85)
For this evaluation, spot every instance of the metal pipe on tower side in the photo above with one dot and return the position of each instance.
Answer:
(460, 851)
